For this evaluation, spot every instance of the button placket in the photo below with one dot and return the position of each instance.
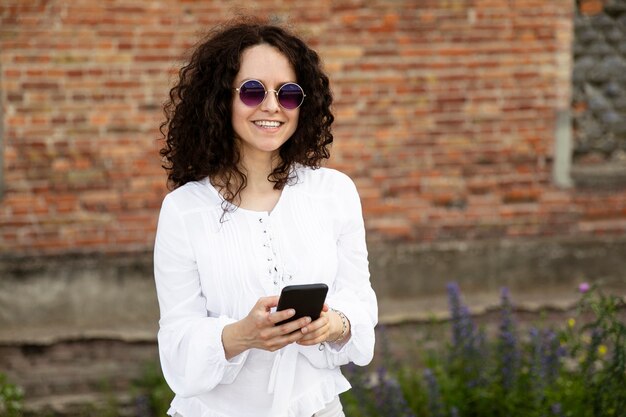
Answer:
(277, 273)
(270, 254)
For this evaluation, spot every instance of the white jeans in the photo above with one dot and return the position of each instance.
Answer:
(332, 409)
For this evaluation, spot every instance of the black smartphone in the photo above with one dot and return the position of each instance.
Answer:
(307, 300)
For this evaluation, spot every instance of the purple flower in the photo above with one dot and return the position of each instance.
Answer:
(463, 327)
(509, 355)
(545, 363)
(583, 287)
(556, 409)
(552, 354)
(468, 343)
(537, 366)
(435, 405)
(390, 400)
(142, 406)
(454, 300)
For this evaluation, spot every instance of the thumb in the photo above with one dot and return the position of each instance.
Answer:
(268, 302)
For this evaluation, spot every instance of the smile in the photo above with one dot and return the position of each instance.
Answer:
(268, 124)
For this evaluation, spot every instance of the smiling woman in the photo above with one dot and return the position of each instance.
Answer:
(251, 212)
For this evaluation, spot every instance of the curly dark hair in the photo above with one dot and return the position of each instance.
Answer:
(199, 137)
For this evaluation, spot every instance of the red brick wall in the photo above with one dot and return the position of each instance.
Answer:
(445, 116)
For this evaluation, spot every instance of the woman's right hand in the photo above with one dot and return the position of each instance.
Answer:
(258, 330)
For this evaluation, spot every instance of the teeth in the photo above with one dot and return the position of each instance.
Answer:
(267, 123)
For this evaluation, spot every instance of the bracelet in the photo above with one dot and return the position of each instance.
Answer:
(344, 326)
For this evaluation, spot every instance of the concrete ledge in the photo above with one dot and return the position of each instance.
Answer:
(44, 300)
(524, 266)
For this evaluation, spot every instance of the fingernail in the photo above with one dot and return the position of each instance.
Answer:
(292, 311)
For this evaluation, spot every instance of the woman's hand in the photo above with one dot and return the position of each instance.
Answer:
(258, 330)
(325, 329)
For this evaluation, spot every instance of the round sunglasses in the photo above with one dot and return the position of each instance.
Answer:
(252, 93)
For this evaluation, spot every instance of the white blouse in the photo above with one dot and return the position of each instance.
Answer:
(211, 267)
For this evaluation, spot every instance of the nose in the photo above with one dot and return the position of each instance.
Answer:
(270, 103)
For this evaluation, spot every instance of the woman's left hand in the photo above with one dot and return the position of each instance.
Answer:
(327, 327)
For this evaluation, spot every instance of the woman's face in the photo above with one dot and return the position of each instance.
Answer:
(261, 130)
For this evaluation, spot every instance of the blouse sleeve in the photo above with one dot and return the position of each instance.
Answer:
(190, 342)
(352, 292)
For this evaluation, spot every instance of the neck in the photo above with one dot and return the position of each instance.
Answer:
(259, 194)
(257, 168)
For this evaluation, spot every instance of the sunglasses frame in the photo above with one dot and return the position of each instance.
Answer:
(276, 92)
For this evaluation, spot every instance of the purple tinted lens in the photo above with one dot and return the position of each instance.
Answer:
(290, 96)
(252, 93)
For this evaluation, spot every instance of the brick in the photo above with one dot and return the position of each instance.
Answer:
(444, 117)
(526, 195)
(591, 7)
(393, 229)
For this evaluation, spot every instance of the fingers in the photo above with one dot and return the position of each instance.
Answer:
(274, 343)
(276, 337)
(313, 339)
(316, 332)
(294, 325)
(279, 316)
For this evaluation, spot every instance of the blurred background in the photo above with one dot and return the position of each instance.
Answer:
(487, 139)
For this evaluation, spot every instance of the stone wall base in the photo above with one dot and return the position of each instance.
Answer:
(70, 324)
(47, 299)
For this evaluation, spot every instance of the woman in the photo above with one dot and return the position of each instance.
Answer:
(247, 126)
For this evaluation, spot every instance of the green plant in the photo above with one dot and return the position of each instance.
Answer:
(11, 397)
(578, 370)
(597, 363)
(153, 395)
